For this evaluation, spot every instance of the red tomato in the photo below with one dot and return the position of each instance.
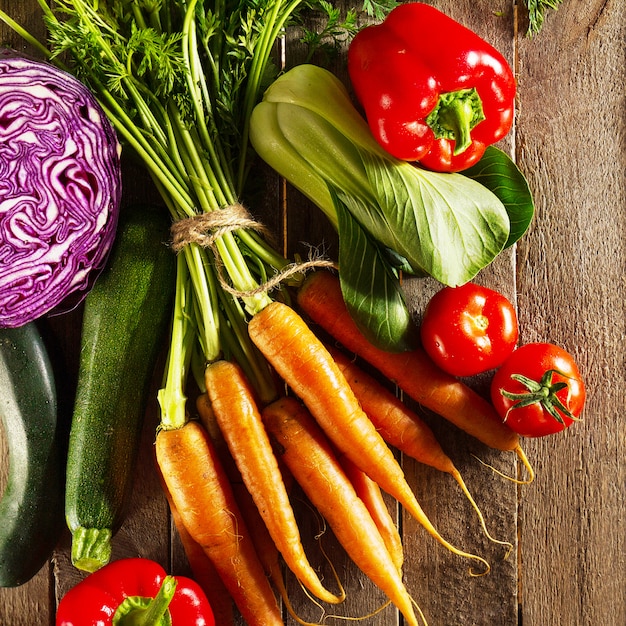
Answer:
(548, 391)
(469, 329)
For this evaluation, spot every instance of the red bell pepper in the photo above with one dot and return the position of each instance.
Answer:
(134, 592)
(433, 91)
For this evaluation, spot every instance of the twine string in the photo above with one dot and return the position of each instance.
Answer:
(205, 229)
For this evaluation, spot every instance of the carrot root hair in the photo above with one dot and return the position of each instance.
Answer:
(507, 544)
(521, 455)
(352, 618)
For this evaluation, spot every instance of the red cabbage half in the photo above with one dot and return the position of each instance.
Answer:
(60, 188)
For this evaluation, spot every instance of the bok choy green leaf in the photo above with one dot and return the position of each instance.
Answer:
(371, 289)
(498, 172)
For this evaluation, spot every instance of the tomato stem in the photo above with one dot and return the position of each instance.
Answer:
(543, 392)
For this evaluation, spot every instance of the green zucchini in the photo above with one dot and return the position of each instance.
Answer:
(31, 509)
(125, 320)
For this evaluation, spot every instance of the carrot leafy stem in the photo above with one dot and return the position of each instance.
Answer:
(537, 10)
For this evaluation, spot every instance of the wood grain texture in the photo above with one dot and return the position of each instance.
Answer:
(568, 566)
(570, 143)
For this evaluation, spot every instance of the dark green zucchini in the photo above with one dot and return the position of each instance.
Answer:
(31, 509)
(125, 322)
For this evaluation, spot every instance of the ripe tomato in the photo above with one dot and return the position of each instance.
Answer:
(538, 391)
(469, 329)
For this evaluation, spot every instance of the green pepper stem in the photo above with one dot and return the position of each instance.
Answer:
(455, 116)
(155, 610)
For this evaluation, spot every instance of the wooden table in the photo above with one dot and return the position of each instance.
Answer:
(567, 279)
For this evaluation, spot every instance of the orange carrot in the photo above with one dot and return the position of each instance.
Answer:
(306, 366)
(308, 454)
(265, 547)
(397, 425)
(401, 427)
(239, 419)
(205, 501)
(207, 417)
(202, 568)
(369, 492)
(209, 421)
(413, 371)
(263, 542)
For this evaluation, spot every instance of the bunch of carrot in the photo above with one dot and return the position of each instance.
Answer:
(333, 430)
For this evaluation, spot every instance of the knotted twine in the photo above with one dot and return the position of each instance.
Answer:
(205, 229)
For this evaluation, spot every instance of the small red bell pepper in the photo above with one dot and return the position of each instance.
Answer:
(433, 91)
(134, 592)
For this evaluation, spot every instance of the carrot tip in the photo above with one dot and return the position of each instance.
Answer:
(509, 546)
(487, 567)
(467, 555)
(523, 458)
(529, 468)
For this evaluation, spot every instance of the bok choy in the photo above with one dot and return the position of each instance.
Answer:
(389, 214)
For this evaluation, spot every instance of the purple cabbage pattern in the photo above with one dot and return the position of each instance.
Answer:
(60, 189)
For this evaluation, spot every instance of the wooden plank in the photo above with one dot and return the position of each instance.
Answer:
(570, 142)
